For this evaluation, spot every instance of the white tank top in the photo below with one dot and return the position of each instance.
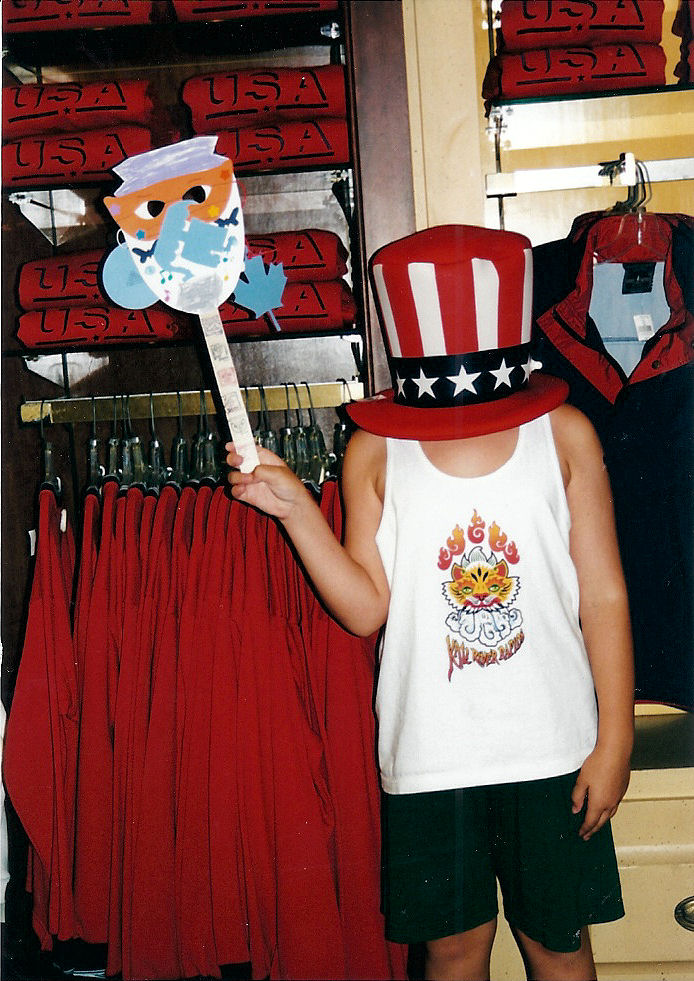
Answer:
(484, 676)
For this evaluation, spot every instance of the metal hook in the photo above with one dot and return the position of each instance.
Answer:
(349, 390)
(311, 411)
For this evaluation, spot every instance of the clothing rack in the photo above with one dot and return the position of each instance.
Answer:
(101, 408)
(618, 173)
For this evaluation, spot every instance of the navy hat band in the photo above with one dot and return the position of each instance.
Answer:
(461, 379)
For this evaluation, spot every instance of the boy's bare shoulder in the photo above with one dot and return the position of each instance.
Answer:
(577, 443)
(365, 459)
(571, 427)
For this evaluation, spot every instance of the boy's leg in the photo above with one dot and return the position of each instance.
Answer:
(542, 964)
(463, 955)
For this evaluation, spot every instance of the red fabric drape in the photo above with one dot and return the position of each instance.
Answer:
(252, 96)
(67, 106)
(56, 15)
(71, 158)
(527, 24)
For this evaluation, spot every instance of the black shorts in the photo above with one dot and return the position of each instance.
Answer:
(444, 851)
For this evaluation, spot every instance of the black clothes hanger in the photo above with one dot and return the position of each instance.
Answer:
(287, 437)
(317, 454)
(301, 441)
(112, 469)
(157, 473)
(180, 466)
(95, 470)
(49, 477)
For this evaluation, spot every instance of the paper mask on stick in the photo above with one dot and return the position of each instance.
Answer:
(182, 241)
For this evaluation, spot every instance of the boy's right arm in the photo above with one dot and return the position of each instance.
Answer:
(349, 579)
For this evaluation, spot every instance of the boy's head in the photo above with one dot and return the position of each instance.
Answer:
(455, 303)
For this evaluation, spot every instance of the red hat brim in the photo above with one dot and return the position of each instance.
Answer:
(384, 417)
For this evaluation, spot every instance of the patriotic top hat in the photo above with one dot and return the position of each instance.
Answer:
(455, 303)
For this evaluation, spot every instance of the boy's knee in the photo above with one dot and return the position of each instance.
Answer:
(543, 964)
(463, 955)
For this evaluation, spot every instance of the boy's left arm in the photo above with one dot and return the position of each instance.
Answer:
(604, 613)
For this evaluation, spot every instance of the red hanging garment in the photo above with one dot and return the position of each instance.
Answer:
(193, 898)
(40, 747)
(233, 9)
(95, 761)
(286, 814)
(152, 618)
(66, 106)
(548, 72)
(154, 942)
(91, 522)
(126, 627)
(57, 15)
(305, 307)
(546, 24)
(229, 911)
(75, 158)
(252, 96)
(309, 255)
(342, 670)
(286, 145)
(78, 327)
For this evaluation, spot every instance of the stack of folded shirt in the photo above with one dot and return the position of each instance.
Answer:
(70, 133)
(273, 118)
(315, 298)
(683, 27)
(57, 15)
(65, 307)
(547, 48)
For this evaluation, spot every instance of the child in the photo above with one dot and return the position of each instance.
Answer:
(479, 526)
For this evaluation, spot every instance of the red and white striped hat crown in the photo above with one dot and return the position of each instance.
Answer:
(455, 303)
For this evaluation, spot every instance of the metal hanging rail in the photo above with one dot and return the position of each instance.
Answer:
(102, 407)
(593, 175)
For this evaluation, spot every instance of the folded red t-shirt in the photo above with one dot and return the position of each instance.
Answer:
(95, 325)
(229, 9)
(68, 106)
(75, 158)
(286, 146)
(56, 15)
(219, 100)
(309, 255)
(569, 71)
(305, 307)
(527, 24)
(61, 281)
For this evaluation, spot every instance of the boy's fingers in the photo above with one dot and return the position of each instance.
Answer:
(578, 794)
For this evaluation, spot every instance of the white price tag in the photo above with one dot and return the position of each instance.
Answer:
(229, 389)
(643, 322)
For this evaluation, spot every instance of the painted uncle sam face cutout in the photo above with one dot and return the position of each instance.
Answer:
(181, 229)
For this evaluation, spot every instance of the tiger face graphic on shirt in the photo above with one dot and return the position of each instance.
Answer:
(485, 625)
